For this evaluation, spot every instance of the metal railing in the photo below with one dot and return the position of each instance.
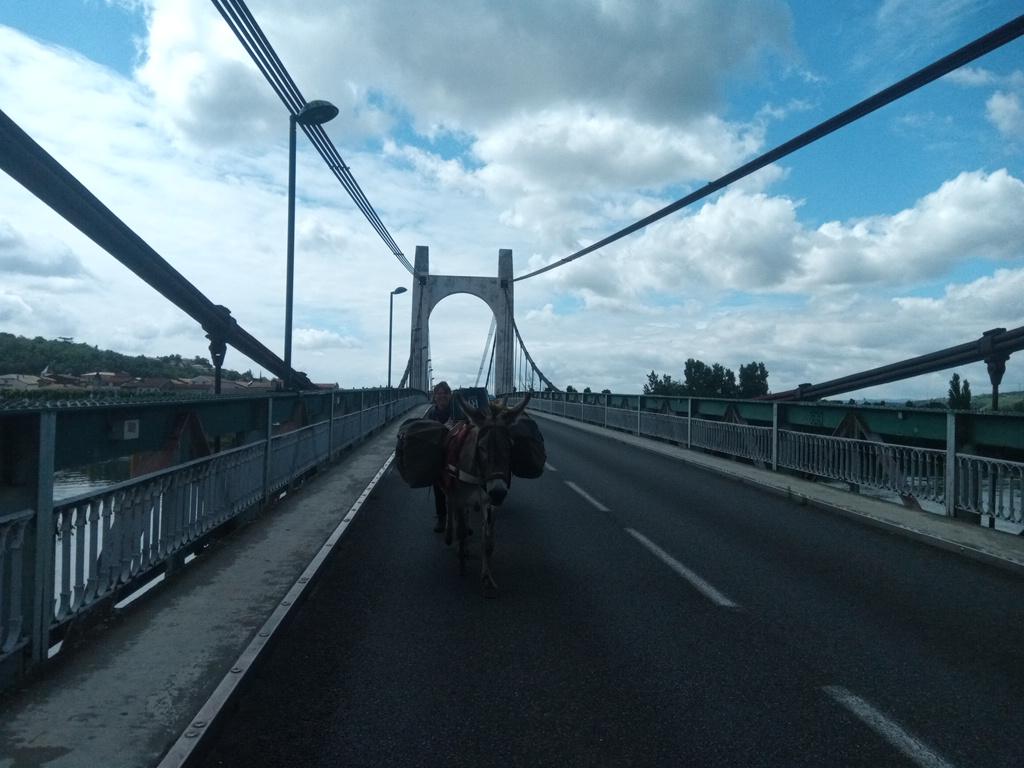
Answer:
(991, 487)
(105, 543)
(903, 470)
(953, 478)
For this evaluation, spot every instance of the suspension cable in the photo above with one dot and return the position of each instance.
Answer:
(970, 52)
(526, 352)
(490, 365)
(487, 350)
(256, 44)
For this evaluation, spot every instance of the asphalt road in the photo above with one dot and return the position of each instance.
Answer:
(649, 614)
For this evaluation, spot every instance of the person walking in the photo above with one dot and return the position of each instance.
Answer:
(440, 410)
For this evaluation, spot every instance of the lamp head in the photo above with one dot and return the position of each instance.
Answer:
(399, 289)
(316, 112)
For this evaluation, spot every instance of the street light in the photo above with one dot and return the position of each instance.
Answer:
(314, 113)
(391, 312)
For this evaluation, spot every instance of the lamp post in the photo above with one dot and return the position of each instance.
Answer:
(391, 312)
(313, 113)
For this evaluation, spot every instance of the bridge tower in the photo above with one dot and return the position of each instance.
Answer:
(427, 292)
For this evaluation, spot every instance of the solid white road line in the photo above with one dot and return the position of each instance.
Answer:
(586, 496)
(696, 581)
(908, 744)
(549, 468)
(180, 752)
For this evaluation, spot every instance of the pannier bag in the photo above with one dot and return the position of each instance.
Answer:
(419, 452)
(528, 454)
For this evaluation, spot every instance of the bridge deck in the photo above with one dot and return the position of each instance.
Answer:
(128, 693)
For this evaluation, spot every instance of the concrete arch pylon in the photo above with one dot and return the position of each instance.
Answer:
(428, 290)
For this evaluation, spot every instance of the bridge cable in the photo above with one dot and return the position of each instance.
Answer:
(515, 330)
(40, 173)
(490, 365)
(487, 349)
(983, 45)
(256, 44)
(263, 55)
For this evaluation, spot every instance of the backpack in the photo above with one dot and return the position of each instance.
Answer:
(419, 452)
(528, 454)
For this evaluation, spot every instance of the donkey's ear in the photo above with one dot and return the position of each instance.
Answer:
(513, 414)
(472, 413)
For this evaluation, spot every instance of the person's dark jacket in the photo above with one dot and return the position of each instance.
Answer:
(437, 414)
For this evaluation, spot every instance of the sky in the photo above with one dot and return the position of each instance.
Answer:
(541, 127)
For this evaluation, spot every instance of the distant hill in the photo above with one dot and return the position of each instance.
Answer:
(1008, 401)
(19, 354)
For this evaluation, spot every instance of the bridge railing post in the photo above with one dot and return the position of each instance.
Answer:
(775, 437)
(268, 450)
(330, 430)
(606, 411)
(639, 400)
(689, 422)
(40, 549)
(950, 485)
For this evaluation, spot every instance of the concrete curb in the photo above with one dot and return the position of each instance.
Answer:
(199, 732)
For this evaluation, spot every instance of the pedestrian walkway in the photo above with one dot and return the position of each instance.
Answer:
(134, 686)
(968, 539)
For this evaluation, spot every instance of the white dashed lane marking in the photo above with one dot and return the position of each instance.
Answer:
(911, 746)
(695, 581)
(597, 504)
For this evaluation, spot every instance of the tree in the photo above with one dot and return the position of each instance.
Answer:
(570, 388)
(662, 385)
(697, 377)
(702, 380)
(959, 398)
(753, 380)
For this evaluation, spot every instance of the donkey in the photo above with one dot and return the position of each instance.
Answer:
(479, 478)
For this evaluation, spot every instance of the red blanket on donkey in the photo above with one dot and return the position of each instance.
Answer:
(453, 444)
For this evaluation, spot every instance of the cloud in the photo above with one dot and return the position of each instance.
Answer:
(318, 338)
(976, 215)
(1004, 111)
(661, 63)
(471, 153)
(972, 76)
(754, 242)
(13, 308)
(1003, 108)
(40, 259)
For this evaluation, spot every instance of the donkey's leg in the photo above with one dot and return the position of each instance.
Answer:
(460, 533)
(490, 587)
(449, 524)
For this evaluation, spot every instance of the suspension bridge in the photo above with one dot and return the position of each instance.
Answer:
(694, 580)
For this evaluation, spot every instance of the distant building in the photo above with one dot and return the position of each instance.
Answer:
(19, 381)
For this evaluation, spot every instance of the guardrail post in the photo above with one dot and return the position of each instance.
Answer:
(639, 399)
(362, 407)
(41, 614)
(330, 430)
(606, 411)
(775, 437)
(267, 450)
(689, 422)
(950, 490)
(565, 403)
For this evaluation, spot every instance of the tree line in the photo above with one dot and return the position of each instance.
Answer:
(19, 354)
(715, 380)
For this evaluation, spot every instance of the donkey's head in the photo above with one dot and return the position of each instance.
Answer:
(493, 444)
